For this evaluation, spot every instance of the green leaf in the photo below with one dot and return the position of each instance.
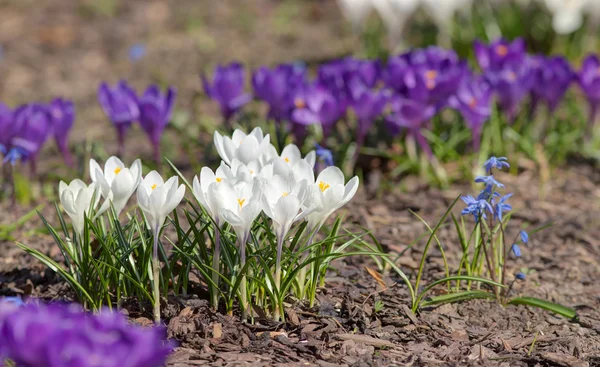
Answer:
(546, 305)
(448, 279)
(457, 297)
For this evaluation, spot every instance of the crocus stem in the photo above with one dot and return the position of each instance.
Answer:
(156, 152)
(593, 113)
(215, 267)
(302, 275)
(243, 286)
(67, 156)
(280, 239)
(10, 173)
(156, 278)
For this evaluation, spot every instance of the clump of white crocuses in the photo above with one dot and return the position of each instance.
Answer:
(250, 238)
(253, 178)
(116, 184)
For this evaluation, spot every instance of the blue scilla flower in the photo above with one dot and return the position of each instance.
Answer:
(498, 163)
(520, 275)
(488, 180)
(516, 249)
(324, 155)
(137, 52)
(476, 207)
(501, 206)
(15, 154)
(524, 236)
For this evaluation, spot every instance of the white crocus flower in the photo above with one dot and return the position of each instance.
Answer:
(78, 199)
(291, 155)
(244, 147)
(442, 13)
(157, 199)
(204, 189)
(356, 11)
(394, 14)
(116, 182)
(242, 204)
(328, 194)
(567, 15)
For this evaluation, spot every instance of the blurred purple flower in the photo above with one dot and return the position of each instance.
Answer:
(32, 123)
(493, 56)
(7, 127)
(507, 68)
(473, 100)
(316, 105)
(121, 106)
(524, 236)
(588, 78)
(324, 155)
(62, 335)
(155, 113)
(137, 52)
(411, 114)
(276, 87)
(368, 105)
(62, 114)
(551, 79)
(227, 88)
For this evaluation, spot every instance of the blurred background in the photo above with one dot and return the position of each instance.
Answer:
(67, 47)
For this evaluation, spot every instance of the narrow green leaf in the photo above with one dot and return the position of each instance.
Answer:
(456, 297)
(546, 305)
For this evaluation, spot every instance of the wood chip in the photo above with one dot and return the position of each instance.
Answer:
(366, 340)
(564, 360)
(217, 330)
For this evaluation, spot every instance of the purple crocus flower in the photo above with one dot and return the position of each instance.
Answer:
(552, 77)
(155, 113)
(368, 105)
(412, 115)
(121, 106)
(493, 56)
(276, 86)
(227, 88)
(507, 68)
(473, 100)
(62, 115)
(62, 335)
(6, 126)
(32, 123)
(316, 105)
(366, 71)
(588, 78)
(395, 72)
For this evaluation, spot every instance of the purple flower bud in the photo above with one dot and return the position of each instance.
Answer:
(155, 113)
(227, 88)
(62, 114)
(524, 237)
(121, 106)
(516, 250)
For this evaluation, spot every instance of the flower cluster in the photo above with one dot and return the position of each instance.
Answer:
(26, 129)
(407, 91)
(58, 335)
(123, 107)
(253, 178)
(490, 205)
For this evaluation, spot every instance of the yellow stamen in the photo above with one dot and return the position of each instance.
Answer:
(117, 170)
(472, 103)
(323, 186)
(219, 179)
(431, 74)
(251, 171)
(286, 159)
(299, 103)
(285, 193)
(153, 186)
(241, 202)
(501, 50)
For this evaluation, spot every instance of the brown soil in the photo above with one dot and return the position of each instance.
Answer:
(66, 48)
